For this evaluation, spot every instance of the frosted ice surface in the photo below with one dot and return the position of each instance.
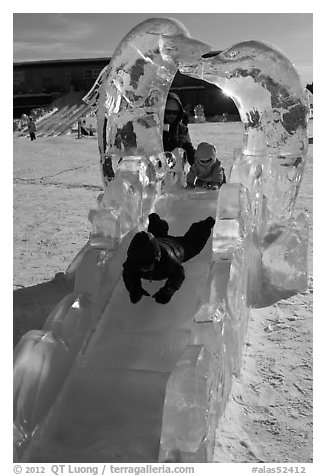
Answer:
(187, 420)
(129, 198)
(171, 170)
(273, 107)
(103, 415)
(131, 93)
(98, 274)
(41, 364)
(284, 261)
(231, 219)
(150, 350)
(119, 210)
(70, 320)
(136, 393)
(74, 265)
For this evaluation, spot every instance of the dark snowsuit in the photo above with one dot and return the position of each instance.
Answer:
(165, 254)
(31, 129)
(178, 134)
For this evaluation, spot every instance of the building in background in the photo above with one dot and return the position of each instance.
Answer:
(39, 83)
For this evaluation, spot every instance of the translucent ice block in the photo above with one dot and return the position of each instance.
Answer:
(130, 94)
(284, 261)
(41, 364)
(248, 170)
(70, 320)
(238, 304)
(99, 272)
(150, 350)
(209, 330)
(103, 415)
(231, 219)
(119, 211)
(73, 266)
(273, 107)
(188, 424)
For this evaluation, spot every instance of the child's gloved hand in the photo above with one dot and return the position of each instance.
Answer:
(163, 295)
(212, 186)
(137, 294)
(200, 183)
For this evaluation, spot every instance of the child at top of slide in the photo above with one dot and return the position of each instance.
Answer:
(206, 170)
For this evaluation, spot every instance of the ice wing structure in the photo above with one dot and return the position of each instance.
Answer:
(110, 381)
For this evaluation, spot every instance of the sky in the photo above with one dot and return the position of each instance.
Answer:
(47, 36)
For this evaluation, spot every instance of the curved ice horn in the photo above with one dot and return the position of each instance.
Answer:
(130, 93)
(270, 98)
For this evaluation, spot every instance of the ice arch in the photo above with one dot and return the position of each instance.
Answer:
(273, 108)
(131, 91)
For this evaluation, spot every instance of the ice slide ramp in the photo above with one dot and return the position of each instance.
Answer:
(111, 405)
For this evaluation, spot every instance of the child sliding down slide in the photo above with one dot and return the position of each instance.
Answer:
(154, 255)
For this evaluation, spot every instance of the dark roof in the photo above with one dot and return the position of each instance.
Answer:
(84, 60)
(62, 61)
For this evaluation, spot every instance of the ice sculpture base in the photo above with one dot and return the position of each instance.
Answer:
(189, 421)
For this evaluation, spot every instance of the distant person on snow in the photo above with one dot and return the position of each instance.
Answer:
(175, 130)
(206, 170)
(154, 255)
(31, 128)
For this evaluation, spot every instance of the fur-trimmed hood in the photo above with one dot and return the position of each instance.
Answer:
(176, 98)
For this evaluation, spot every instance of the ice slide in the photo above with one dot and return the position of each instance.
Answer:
(106, 380)
(111, 406)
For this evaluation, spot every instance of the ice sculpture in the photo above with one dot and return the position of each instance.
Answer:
(199, 114)
(107, 380)
(273, 108)
(131, 92)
